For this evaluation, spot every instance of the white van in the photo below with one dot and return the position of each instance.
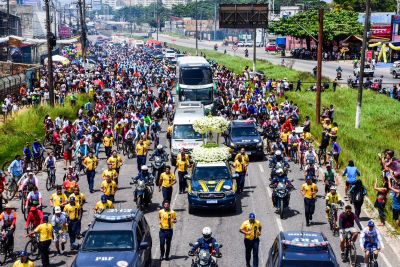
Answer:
(183, 134)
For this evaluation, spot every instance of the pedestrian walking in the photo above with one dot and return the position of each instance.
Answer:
(240, 169)
(109, 188)
(381, 199)
(167, 180)
(334, 85)
(167, 218)
(182, 165)
(45, 231)
(72, 209)
(90, 164)
(309, 191)
(251, 229)
(141, 152)
(107, 142)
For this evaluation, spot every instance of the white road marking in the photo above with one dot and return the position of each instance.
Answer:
(261, 168)
(279, 223)
(269, 192)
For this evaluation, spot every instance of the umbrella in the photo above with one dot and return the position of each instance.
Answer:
(58, 58)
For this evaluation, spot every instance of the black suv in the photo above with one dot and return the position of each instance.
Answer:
(116, 238)
(301, 249)
(244, 134)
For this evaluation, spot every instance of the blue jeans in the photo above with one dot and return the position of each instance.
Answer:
(165, 239)
(96, 147)
(73, 227)
(141, 160)
(108, 151)
(111, 198)
(167, 193)
(90, 178)
(252, 245)
(182, 181)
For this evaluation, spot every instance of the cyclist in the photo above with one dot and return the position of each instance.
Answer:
(23, 261)
(346, 224)
(69, 185)
(330, 178)
(302, 147)
(351, 172)
(27, 154)
(9, 218)
(371, 241)
(103, 204)
(118, 132)
(37, 149)
(50, 163)
(16, 167)
(34, 198)
(30, 180)
(130, 137)
(293, 145)
(155, 132)
(59, 222)
(34, 218)
(332, 198)
(71, 171)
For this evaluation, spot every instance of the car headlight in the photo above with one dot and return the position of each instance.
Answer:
(260, 144)
(193, 193)
(232, 144)
(229, 193)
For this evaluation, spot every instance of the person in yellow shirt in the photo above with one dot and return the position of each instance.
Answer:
(167, 218)
(309, 191)
(23, 261)
(103, 204)
(141, 153)
(240, 166)
(116, 162)
(167, 180)
(169, 132)
(251, 229)
(80, 198)
(109, 172)
(182, 154)
(332, 198)
(334, 130)
(90, 163)
(109, 188)
(58, 198)
(182, 166)
(245, 157)
(146, 142)
(73, 212)
(285, 140)
(45, 231)
(107, 142)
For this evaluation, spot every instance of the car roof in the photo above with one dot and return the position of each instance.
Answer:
(116, 219)
(188, 115)
(243, 123)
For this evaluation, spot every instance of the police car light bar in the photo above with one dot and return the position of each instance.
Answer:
(306, 244)
(116, 215)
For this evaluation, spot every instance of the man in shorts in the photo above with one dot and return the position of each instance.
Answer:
(60, 228)
(346, 224)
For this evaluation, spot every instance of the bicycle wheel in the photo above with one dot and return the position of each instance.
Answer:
(53, 180)
(3, 253)
(11, 189)
(23, 203)
(48, 182)
(352, 255)
(32, 248)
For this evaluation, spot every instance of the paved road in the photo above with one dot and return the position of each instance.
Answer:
(256, 198)
(328, 68)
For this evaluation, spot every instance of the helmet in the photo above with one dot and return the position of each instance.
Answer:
(278, 153)
(371, 223)
(103, 199)
(207, 232)
(24, 253)
(333, 187)
(159, 147)
(279, 171)
(144, 168)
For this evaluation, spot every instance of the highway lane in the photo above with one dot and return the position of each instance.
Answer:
(328, 67)
(225, 226)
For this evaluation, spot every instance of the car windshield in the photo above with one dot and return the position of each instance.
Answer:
(244, 131)
(196, 76)
(211, 173)
(306, 263)
(204, 95)
(108, 241)
(185, 131)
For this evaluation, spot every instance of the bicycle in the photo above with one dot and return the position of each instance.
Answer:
(119, 142)
(24, 194)
(5, 251)
(293, 152)
(51, 178)
(332, 219)
(372, 260)
(350, 252)
(11, 187)
(128, 148)
(32, 247)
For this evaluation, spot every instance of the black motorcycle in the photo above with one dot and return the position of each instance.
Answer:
(204, 258)
(158, 167)
(281, 197)
(143, 193)
(284, 165)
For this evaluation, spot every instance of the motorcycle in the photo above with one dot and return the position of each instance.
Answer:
(284, 165)
(144, 194)
(158, 167)
(281, 197)
(338, 75)
(203, 257)
(246, 53)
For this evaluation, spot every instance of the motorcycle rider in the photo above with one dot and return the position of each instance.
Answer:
(371, 241)
(146, 178)
(160, 152)
(209, 243)
(246, 52)
(339, 72)
(280, 177)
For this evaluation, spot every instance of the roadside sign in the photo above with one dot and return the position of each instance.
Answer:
(234, 47)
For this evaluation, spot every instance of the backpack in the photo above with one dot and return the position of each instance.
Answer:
(358, 196)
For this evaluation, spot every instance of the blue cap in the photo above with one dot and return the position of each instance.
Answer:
(72, 199)
(24, 253)
(252, 216)
(308, 178)
(45, 218)
(103, 198)
(371, 223)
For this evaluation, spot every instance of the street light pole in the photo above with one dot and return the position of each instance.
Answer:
(319, 65)
(8, 31)
(83, 31)
(362, 63)
(49, 54)
(196, 34)
(157, 18)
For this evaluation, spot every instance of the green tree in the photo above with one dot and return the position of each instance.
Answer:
(338, 24)
(359, 5)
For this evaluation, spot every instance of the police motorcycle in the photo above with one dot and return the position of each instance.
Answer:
(204, 258)
(143, 192)
(282, 187)
(278, 162)
(158, 164)
(311, 170)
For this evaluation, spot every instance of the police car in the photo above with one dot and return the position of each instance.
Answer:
(301, 249)
(118, 238)
(211, 186)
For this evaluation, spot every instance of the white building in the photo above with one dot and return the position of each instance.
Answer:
(288, 11)
(166, 3)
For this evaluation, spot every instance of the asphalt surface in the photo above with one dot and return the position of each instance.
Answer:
(256, 198)
(328, 67)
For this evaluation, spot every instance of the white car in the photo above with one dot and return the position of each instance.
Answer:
(248, 43)
(240, 44)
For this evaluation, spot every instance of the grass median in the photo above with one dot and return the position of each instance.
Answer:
(27, 125)
(380, 117)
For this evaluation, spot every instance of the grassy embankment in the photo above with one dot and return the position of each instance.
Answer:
(28, 125)
(380, 116)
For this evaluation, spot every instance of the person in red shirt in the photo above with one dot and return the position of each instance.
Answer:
(35, 217)
(287, 125)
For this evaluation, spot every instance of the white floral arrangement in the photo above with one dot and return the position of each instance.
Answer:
(210, 154)
(210, 124)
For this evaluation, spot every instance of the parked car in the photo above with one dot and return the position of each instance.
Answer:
(271, 47)
(368, 71)
(240, 44)
(395, 69)
(249, 43)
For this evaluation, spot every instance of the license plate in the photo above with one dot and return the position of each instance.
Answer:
(248, 152)
(212, 201)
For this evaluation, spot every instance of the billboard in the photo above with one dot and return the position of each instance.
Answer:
(381, 31)
(396, 28)
(243, 16)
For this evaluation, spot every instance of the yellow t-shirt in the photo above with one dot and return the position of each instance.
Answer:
(110, 173)
(45, 231)
(109, 189)
(58, 199)
(119, 128)
(182, 165)
(330, 198)
(166, 180)
(72, 211)
(90, 163)
(147, 144)
(115, 162)
(18, 263)
(169, 130)
(245, 157)
(307, 136)
(100, 206)
(107, 141)
(334, 131)
(166, 218)
(285, 137)
(239, 166)
(179, 157)
(254, 228)
(80, 198)
(310, 191)
(141, 150)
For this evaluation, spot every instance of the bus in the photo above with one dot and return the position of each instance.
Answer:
(195, 80)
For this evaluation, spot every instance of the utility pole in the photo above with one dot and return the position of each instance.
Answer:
(196, 34)
(215, 20)
(50, 37)
(55, 18)
(319, 64)
(157, 19)
(362, 63)
(254, 49)
(8, 31)
(83, 31)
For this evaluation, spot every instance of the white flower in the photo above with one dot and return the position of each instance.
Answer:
(210, 124)
(210, 154)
